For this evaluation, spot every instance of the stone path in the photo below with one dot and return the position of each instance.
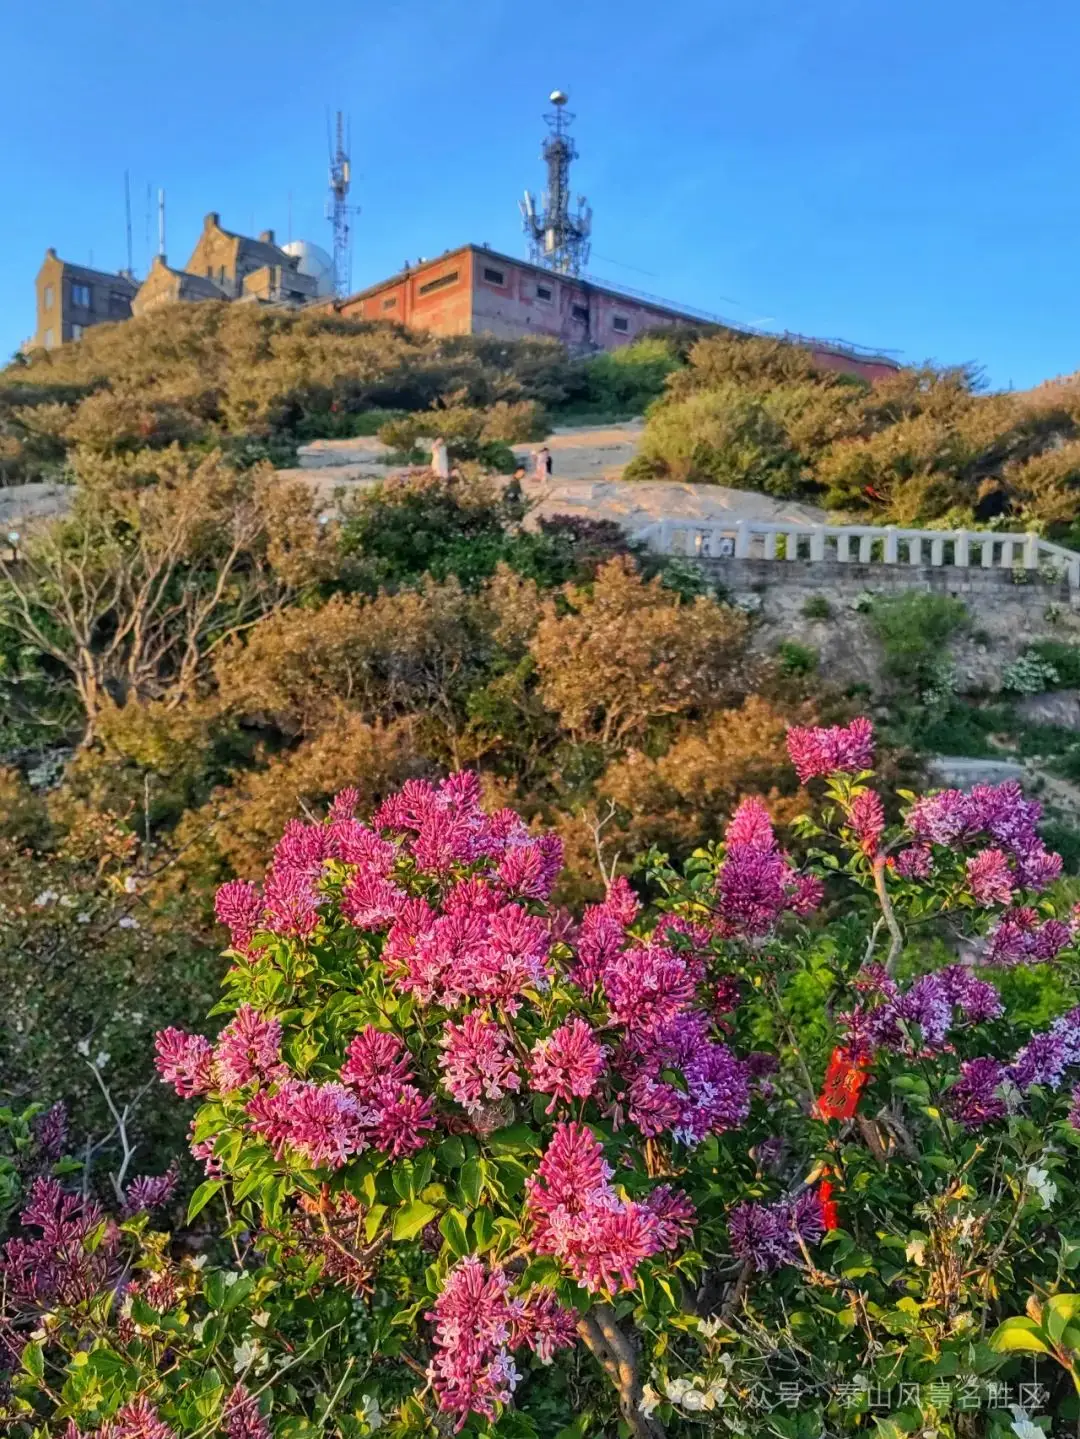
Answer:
(588, 462)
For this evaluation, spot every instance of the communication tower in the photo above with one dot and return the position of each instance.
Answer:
(558, 235)
(338, 209)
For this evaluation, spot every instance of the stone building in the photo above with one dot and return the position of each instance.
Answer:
(71, 298)
(166, 286)
(475, 291)
(243, 268)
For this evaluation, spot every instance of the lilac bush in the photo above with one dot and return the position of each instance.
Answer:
(775, 1121)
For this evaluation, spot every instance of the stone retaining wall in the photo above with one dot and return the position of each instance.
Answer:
(1005, 616)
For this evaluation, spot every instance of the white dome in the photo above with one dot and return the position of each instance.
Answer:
(314, 261)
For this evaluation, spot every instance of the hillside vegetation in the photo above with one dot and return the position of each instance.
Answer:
(194, 652)
(926, 446)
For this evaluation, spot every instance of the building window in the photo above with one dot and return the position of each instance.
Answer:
(48, 339)
(450, 278)
(620, 322)
(580, 312)
(48, 297)
(494, 277)
(390, 304)
(118, 304)
(80, 295)
(543, 292)
(76, 332)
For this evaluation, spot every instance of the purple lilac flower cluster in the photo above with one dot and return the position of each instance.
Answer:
(477, 1326)
(576, 1215)
(61, 1265)
(986, 1087)
(757, 883)
(1017, 859)
(932, 1004)
(768, 1235)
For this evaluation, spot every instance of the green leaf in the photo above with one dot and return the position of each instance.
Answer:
(1018, 1333)
(471, 1182)
(1060, 1311)
(202, 1196)
(33, 1361)
(452, 1229)
(451, 1153)
(411, 1218)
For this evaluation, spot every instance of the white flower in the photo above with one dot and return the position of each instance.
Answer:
(45, 898)
(649, 1400)
(1023, 1426)
(83, 1047)
(916, 1252)
(244, 1356)
(370, 1412)
(128, 922)
(68, 901)
(710, 1328)
(102, 1060)
(82, 917)
(1043, 1185)
(131, 884)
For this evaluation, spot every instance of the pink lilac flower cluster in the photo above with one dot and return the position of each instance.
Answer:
(651, 991)
(322, 1124)
(476, 1326)
(757, 883)
(378, 1072)
(241, 1418)
(1000, 812)
(567, 1064)
(931, 1004)
(434, 828)
(478, 948)
(820, 751)
(61, 1265)
(248, 1051)
(138, 1419)
(866, 816)
(375, 1104)
(477, 1062)
(767, 1235)
(576, 1215)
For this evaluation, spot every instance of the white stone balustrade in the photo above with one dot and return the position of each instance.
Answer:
(859, 544)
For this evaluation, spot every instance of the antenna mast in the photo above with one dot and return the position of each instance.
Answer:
(338, 210)
(161, 223)
(127, 217)
(558, 235)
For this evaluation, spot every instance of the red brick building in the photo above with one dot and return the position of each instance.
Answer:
(475, 291)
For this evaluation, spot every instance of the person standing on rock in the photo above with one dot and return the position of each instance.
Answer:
(440, 459)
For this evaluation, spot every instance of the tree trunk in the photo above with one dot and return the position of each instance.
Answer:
(617, 1357)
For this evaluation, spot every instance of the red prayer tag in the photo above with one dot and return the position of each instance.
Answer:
(845, 1080)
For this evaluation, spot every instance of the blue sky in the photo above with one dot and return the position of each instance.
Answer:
(902, 175)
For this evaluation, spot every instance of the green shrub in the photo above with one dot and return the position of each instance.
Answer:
(817, 607)
(796, 658)
(914, 629)
(1063, 658)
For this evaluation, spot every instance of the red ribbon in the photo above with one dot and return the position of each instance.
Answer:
(845, 1079)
